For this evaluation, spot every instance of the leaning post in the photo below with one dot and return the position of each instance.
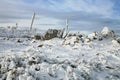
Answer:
(33, 17)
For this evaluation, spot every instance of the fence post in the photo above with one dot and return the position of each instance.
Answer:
(67, 26)
(67, 31)
(33, 17)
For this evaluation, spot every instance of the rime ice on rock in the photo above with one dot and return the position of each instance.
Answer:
(105, 31)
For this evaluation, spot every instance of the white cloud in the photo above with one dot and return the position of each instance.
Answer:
(80, 12)
(102, 7)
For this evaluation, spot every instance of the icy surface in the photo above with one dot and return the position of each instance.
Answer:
(60, 59)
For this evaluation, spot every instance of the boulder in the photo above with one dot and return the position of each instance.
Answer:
(38, 37)
(106, 33)
(92, 36)
(87, 40)
(71, 40)
(118, 39)
(52, 33)
(49, 34)
(114, 41)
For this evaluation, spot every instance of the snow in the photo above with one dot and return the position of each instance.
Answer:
(92, 36)
(72, 58)
(105, 31)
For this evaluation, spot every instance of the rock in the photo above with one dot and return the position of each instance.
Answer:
(40, 45)
(38, 37)
(100, 39)
(52, 33)
(20, 70)
(11, 75)
(73, 66)
(114, 41)
(71, 40)
(0, 66)
(49, 34)
(32, 62)
(92, 36)
(60, 33)
(52, 71)
(108, 67)
(87, 40)
(106, 33)
(12, 65)
(19, 41)
(78, 34)
(118, 39)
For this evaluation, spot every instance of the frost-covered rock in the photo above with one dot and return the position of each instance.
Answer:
(118, 39)
(11, 75)
(49, 34)
(53, 71)
(12, 65)
(38, 37)
(107, 33)
(115, 42)
(92, 36)
(71, 40)
(52, 33)
(20, 70)
(104, 34)
(78, 34)
(87, 40)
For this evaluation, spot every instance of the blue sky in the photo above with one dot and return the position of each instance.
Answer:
(82, 14)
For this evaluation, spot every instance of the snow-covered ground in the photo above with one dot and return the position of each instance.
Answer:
(76, 57)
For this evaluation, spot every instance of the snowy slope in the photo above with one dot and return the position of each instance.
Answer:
(60, 59)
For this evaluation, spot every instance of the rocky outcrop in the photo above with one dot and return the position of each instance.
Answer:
(49, 34)
(52, 33)
(106, 33)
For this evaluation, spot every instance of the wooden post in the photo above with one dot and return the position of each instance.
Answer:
(66, 26)
(33, 17)
(67, 31)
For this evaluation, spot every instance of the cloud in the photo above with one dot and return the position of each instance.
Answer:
(82, 14)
